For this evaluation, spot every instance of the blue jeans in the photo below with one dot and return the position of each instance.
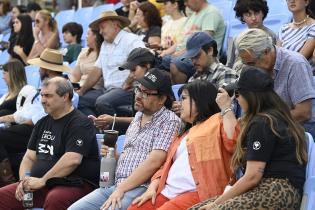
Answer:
(97, 198)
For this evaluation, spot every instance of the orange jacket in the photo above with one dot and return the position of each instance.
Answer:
(209, 153)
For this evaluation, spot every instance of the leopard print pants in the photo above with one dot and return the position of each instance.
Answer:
(271, 194)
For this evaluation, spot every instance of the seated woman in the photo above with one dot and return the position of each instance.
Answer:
(197, 164)
(21, 45)
(149, 21)
(252, 13)
(72, 33)
(45, 34)
(172, 30)
(299, 35)
(15, 78)
(86, 60)
(271, 151)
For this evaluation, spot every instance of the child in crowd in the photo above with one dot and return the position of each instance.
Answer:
(72, 33)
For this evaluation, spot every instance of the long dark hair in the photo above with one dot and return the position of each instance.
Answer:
(26, 33)
(151, 14)
(271, 107)
(98, 41)
(203, 93)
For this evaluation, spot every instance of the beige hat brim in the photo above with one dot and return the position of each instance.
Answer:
(124, 21)
(53, 67)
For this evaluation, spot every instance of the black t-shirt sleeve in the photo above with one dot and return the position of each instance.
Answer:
(80, 137)
(154, 31)
(32, 143)
(260, 141)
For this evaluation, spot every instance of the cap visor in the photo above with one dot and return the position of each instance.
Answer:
(146, 84)
(192, 53)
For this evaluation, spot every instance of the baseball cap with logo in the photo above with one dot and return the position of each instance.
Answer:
(157, 79)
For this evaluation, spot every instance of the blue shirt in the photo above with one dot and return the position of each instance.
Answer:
(294, 79)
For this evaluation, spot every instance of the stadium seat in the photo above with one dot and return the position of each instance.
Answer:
(225, 7)
(310, 147)
(3, 86)
(4, 57)
(175, 89)
(277, 7)
(235, 28)
(62, 18)
(274, 22)
(120, 143)
(83, 16)
(308, 200)
(32, 75)
(102, 8)
(118, 5)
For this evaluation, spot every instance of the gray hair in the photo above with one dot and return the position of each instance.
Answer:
(63, 85)
(256, 40)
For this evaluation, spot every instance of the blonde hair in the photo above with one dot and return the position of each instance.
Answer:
(17, 76)
(52, 23)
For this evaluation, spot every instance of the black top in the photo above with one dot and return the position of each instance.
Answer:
(278, 153)
(121, 12)
(8, 106)
(74, 132)
(28, 44)
(153, 31)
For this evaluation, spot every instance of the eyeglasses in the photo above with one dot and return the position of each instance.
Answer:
(141, 93)
(236, 93)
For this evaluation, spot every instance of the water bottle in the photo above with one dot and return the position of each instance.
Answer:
(108, 167)
(28, 195)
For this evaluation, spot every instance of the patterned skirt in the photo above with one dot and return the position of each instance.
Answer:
(270, 194)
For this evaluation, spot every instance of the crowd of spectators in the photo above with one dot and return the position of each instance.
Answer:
(237, 129)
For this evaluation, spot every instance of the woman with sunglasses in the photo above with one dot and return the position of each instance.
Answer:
(197, 164)
(270, 150)
(21, 44)
(45, 34)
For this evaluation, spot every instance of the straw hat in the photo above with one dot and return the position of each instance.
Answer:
(109, 15)
(50, 59)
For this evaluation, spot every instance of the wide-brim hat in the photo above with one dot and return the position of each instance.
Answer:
(109, 15)
(50, 59)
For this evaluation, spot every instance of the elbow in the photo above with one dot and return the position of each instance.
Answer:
(75, 161)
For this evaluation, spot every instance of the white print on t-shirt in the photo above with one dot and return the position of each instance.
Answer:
(256, 145)
(47, 136)
(42, 149)
(79, 142)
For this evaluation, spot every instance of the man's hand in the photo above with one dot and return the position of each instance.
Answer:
(103, 121)
(34, 183)
(113, 200)
(149, 194)
(19, 192)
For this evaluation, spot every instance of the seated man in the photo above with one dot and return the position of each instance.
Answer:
(147, 140)
(62, 144)
(293, 77)
(202, 50)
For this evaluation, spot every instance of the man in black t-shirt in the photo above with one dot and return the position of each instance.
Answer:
(62, 147)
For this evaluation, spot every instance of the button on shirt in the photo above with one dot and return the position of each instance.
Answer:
(294, 79)
(217, 74)
(112, 55)
(156, 134)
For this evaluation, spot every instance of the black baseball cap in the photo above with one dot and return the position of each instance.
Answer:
(157, 79)
(137, 56)
(254, 80)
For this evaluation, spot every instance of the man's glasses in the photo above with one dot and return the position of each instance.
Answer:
(141, 93)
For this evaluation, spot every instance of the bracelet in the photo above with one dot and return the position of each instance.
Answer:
(223, 112)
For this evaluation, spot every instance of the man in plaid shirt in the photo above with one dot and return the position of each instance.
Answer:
(147, 140)
(202, 50)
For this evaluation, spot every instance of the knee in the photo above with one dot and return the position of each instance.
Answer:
(55, 200)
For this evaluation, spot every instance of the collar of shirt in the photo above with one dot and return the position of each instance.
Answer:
(155, 115)
(119, 37)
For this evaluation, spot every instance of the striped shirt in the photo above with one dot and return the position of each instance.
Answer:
(156, 134)
(217, 74)
(295, 38)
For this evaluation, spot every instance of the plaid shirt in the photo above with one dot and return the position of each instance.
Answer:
(217, 74)
(156, 134)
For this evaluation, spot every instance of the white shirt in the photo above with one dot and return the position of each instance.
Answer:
(113, 55)
(180, 179)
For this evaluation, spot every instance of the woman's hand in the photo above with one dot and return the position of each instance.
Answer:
(18, 49)
(176, 107)
(149, 194)
(223, 99)
(36, 31)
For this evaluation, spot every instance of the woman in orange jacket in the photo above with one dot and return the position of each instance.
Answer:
(197, 164)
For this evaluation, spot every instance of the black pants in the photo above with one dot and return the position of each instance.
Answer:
(14, 139)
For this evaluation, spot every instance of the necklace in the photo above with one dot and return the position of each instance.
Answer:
(301, 22)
